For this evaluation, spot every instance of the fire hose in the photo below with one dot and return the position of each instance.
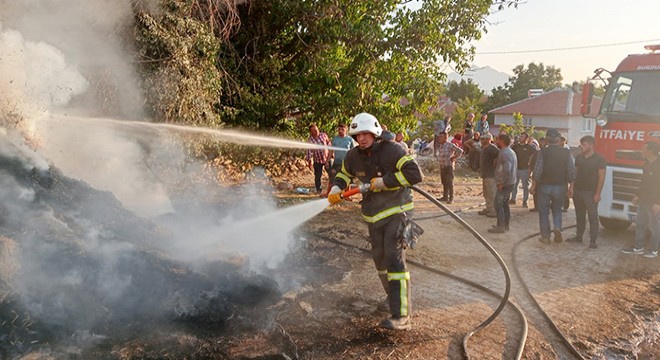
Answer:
(504, 298)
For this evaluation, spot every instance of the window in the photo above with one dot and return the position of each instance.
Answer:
(587, 125)
(633, 94)
(527, 121)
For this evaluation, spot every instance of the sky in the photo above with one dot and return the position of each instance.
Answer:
(550, 24)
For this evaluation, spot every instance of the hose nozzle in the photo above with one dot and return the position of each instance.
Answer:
(361, 189)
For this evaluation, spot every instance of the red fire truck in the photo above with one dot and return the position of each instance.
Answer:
(629, 116)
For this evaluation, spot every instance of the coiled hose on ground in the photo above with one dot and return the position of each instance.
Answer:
(505, 270)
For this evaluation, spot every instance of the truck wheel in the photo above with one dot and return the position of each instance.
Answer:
(614, 224)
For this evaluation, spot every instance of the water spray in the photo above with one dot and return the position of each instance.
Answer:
(231, 136)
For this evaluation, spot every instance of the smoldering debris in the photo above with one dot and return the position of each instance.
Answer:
(74, 261)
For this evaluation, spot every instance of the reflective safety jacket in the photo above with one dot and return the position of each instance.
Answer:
(388, 160)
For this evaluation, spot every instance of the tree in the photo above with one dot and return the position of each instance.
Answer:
(535, 76)
(599, 88)
(517, 127)
(464, 90)
(426, 129)
(313, 60)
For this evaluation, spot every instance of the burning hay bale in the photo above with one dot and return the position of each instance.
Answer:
(73, 261)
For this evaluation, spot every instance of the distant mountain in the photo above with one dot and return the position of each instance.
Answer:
(485, 77)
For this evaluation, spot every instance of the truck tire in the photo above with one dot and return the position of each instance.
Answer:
(614, 224)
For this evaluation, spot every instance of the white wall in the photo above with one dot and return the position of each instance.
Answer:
(577, 129)
(543, 121)
(569, 126)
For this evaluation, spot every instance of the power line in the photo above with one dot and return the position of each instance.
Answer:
(565, 48)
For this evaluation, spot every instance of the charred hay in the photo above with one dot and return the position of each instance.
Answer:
(75, 264)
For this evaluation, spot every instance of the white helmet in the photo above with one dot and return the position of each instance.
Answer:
(364, 122)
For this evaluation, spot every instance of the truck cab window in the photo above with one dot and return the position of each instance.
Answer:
(637, 93)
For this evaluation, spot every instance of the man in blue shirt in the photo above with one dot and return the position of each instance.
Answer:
(336, 158)
(482, 125)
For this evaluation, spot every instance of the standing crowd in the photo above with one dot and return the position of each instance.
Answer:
(381, 159)
(545, 171)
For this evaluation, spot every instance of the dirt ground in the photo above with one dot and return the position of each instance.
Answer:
(607, 303)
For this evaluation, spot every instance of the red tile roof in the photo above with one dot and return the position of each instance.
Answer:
(555, 102)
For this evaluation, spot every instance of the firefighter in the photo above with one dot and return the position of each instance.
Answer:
(390, 171)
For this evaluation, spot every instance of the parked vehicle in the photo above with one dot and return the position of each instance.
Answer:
(629, 116)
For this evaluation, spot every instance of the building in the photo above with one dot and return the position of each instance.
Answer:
(558, 109)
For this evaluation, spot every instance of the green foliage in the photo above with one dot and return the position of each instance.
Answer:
(181, 79)
(518, 127)
(599, 88)
(535, 76)
(426, 128)
(464, 90)
(295, 61)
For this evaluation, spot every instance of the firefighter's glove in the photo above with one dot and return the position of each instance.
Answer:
(378, 184)
(334, 197)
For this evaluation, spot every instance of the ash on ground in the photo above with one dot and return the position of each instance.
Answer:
(79, 273)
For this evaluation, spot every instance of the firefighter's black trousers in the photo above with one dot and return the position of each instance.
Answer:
(389, 256)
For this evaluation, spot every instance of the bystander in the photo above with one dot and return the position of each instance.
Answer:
(472, 148)
(489, 154)
(447, 154)
(553, 172)
(482, 125)
(648, 202)
(524, 152)
(589, 182)
(341, 141)
(317, 158)
(505, 178)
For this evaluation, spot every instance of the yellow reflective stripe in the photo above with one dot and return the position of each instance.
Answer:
(343, 177)
(387, 189)
(403, 160)
(389, 212)
(402, 179)
(398, 276)
(382, 272)
(403, 278)
(404, 296)
(343, 169)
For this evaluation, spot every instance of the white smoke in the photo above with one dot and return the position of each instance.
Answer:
(108, 160)
(37, 79)
(53, 54)
(34, 78)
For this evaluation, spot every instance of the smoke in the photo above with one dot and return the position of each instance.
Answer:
(92, 36)
(86, 260)
(61, 50)
(34, 77)
(111, 160)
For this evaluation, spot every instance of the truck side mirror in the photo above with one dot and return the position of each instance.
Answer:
(587, 97)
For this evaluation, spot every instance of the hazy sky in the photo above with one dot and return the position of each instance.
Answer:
(547, 24)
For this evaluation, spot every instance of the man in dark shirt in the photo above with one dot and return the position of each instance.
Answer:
(648, 201)
(553, 171)
(589, 182)
(523, 152)
(489, 154)
(532, 163)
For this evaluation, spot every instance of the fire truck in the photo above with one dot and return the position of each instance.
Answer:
(628, 117)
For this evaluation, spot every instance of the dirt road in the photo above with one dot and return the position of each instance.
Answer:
(607, 303)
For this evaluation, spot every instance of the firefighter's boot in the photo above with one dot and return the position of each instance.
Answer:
(402, 323)
(399, 296)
